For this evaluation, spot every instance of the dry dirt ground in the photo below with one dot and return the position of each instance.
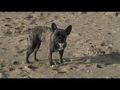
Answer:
(92, 51)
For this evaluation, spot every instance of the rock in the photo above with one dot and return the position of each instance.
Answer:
(8, 25)
(88, 71)
(11, 69)
(16, 63)
(88, 61)
(54, 67)
(103, 44)
(88, 65)
(24, 76)
(8, 19)
(29, 17)
(99, 66)
(26, 69)
(108, 77)
(21, 39)
(32, 67)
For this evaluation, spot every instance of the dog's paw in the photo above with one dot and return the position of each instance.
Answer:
(28, 62)
(37, 60)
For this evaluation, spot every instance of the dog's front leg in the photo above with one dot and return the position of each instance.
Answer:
(61, 56)
(50, 58)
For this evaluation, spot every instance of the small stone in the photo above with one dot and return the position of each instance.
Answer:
(24, 76)
(88, 71)
(99, 66)
(88, 61)
(61, 72)
(103, 44)
(71, 59)
(88, 65)
(11, 69)
(32, 67)
(16, 63)
(108, 77)
(54, 67)
(26, 68)
(20, 68)
(29, 17)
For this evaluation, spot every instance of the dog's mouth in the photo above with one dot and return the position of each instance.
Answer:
(60, 49)
(61, 46)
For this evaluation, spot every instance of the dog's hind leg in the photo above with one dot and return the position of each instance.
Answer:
(36, 50)
(30, 49)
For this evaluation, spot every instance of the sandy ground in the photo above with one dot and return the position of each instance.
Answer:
(92, 51)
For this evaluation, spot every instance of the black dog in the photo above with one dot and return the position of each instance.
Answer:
(54, 37)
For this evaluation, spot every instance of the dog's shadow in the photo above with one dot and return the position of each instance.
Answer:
(108, 59)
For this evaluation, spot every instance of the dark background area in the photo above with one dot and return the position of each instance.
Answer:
(59, 5)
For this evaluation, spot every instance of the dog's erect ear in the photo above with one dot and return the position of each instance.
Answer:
(68, 29)
(54, 27)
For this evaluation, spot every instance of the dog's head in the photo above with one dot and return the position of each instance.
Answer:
(60, 36)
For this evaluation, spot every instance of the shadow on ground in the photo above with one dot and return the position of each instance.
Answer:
(113, 58)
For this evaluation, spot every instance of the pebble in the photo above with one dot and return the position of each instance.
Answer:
(88, 61)
(99, 66)
(24, 76)
(32, 67)
(16, 63)
(88, 71)
(26, 69)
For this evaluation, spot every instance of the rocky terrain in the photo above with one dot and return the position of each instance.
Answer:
(92, 51)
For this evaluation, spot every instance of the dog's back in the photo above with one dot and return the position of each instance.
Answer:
(40, 34)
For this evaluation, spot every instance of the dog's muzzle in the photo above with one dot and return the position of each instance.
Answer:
(61, 46)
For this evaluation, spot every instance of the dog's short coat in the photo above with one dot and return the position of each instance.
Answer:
(54, 37)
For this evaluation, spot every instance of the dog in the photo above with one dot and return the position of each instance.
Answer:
(54, 37)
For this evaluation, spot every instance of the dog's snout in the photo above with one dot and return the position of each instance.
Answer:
(61, 46)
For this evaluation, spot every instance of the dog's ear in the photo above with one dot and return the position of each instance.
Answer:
(68, 29)
(54, 27)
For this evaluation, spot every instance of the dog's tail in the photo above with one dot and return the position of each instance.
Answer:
(48, 22)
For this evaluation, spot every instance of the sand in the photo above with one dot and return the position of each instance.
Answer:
(92, 51)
